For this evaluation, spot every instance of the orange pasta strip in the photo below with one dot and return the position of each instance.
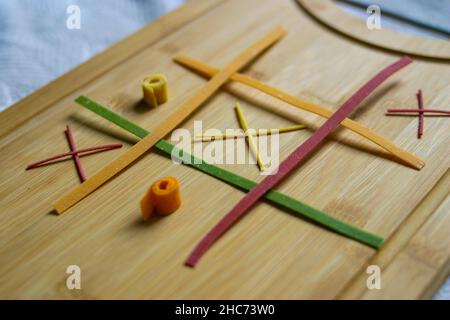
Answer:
(200, 96)
(356, 127)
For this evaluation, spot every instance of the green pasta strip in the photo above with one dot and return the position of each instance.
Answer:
(297, 207)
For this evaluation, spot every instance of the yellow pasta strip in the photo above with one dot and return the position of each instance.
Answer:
(251, 139)
(258, 132)
(200, 96)
(358, 128)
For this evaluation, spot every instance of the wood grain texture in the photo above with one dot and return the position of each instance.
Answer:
(417, 267)
(269, 253)
(403, 238)
(331, 15)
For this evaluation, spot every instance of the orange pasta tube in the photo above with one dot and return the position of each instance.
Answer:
(167, 125)
(162, 198)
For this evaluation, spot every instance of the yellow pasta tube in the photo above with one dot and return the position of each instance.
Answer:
(155, 90)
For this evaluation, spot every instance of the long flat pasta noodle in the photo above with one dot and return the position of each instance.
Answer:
(356, 127)
(421, 116)
(251, 140)
(284, 201)
(75, 156)
(293, 160)
(257, 132)
(86, 151)
(199, 97)
(438, 111)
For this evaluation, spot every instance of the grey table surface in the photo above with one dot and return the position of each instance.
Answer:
(36, 46)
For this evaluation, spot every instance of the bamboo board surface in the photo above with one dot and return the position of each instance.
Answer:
(269, 253)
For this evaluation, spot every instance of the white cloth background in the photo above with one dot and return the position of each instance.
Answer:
(37, 47)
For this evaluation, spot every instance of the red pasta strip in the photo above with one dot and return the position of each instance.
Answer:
(86, 151)
(445, 112)
(292, 160)
(75, 156)
(420, 101)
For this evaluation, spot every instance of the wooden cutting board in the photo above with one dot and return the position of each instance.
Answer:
(269, 253)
